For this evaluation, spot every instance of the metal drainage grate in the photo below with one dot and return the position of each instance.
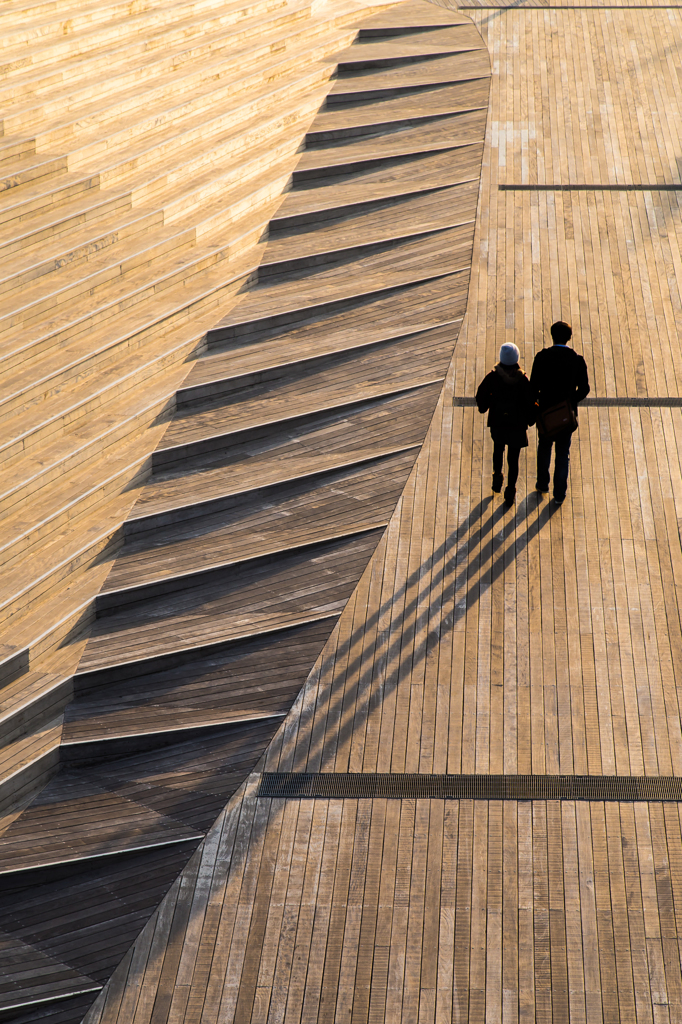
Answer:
(329, 785)
(649, 187)
(625, 401)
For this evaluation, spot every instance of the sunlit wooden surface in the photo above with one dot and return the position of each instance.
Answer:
(482, 640)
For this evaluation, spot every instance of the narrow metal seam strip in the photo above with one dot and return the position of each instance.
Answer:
(340, 786)
(589, 188)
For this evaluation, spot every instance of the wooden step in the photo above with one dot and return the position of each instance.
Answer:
(20, 271)
(331, 441)
(280, 592)
(30, 979)
(436, 133)
(408, 176)
(46, 196)
(335, 122)
(44, 96)
(224, 368)
(445, 251)
(77, 821)
(55, 223)
(464, 67)
(27, 762)
(32, 167)
(358, 375)
(304, 510)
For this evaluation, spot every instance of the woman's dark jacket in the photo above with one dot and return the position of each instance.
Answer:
(504, 394)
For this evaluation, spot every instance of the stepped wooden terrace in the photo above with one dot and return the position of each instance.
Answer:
(299, 721)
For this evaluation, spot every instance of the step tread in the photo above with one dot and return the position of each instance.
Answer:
(448, 100)
(332, 440)
(417, 14)
(29, 976)
(438, 133)
(393, 218)
(391, 264)
(76, 819)
(43, 195)
(410, 175)
(301, 512)
(438, 71)
(445, 43)
(348, 377)
(285, 591)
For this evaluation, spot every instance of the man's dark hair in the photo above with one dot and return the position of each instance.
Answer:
(561, 332)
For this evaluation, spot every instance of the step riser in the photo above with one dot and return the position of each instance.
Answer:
(351, 67)
(28, 781)
(37, 713)
(35, 118)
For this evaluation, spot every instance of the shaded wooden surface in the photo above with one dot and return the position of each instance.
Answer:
(484, 640)
(292, 438)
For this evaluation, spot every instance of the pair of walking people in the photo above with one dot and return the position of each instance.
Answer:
(558, 381)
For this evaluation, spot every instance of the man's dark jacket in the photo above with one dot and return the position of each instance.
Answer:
(504, 394)
(558, 373)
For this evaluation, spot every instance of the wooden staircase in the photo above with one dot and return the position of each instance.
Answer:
(144, 149)
(194, 529)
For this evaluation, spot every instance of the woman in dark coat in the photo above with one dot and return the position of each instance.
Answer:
(504, 394)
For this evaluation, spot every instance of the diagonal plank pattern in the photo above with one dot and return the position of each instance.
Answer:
(293, 436)
(535, 641)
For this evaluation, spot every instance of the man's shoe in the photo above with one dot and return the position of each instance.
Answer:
(559, 501)
(540, 489)
(497, 482)
(509, 495)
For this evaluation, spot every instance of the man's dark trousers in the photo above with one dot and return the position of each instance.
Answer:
(562, 448)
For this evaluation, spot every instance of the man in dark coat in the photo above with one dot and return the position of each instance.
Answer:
(559, 374)
(504, 394)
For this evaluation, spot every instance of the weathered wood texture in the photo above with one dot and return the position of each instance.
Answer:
(539, 639)
(293, 437)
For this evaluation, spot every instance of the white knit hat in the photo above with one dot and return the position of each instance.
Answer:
(509, 354)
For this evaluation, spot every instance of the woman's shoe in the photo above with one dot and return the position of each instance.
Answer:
(497, 482)
(509, 495)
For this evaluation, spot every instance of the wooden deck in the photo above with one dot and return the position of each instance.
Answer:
(288, 447)
(537, 640)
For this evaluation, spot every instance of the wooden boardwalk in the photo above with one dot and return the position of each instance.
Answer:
(481, 640)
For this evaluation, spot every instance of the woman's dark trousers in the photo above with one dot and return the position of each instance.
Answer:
(562, 447)
(512, 464)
